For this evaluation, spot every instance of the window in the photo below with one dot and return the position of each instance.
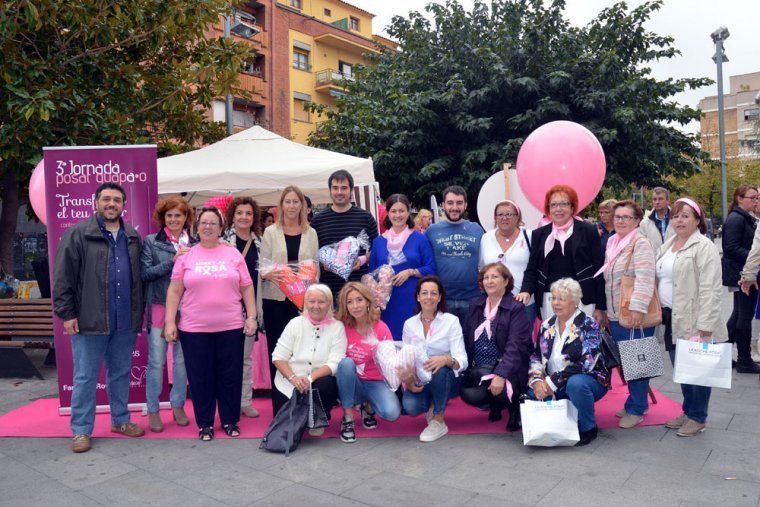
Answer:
(354, 24)
(752, 114)
(328, 13)
(299, 114)
(296, 3)
(300, 60)
(347, 69)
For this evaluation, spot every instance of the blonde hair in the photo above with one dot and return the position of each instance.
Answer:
(423, 213)
(567, 287)
(344, 315)
(302, 219)
(609, 203)
(325, 291)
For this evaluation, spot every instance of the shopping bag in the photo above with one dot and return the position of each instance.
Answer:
(286, 429)
(317, 413)
(703, 364)
(641, 357)
(549, 423)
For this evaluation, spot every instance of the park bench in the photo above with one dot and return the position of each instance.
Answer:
(24, 324)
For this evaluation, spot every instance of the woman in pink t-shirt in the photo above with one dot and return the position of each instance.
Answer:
(210, 280)
(360, 381)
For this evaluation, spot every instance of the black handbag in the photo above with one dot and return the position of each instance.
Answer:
(286, 429)
(317, 413)
(610, 351)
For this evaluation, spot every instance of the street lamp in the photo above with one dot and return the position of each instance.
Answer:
(244, 26)
(718, 36)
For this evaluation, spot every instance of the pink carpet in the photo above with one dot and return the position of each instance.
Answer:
(40, 419)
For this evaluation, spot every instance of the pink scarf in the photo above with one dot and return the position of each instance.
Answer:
(490, 314)
(559, 233)
(615, 245)
(324, 322)
(396, 241)
(183, 240)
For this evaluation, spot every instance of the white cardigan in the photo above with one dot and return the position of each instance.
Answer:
(307, 348)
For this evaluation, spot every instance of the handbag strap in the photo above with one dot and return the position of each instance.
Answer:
(633, 330)
(630, 256)
(247, 246)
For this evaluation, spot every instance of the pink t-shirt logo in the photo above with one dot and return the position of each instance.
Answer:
(214, 269)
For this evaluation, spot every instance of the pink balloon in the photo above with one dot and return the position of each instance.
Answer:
(561, 153)
(37, 192)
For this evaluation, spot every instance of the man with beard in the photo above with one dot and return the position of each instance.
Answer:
(98, 294)
(456, 247)
(340, 221)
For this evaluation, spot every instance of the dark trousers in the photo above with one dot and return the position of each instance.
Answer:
(214, 364)
(328, 393)
(277, 314)
(739, 325)
(478, 395)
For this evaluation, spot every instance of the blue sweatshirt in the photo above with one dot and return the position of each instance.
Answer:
(456, 248)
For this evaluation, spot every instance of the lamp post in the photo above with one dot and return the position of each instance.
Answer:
(718, 36)
(228, 101)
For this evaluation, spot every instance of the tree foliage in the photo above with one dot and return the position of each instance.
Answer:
(466, 88)
(93, 72)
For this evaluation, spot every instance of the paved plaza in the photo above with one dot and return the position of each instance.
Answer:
(642, 466)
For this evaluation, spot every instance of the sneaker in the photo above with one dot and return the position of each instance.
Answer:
(154, 423)
(628, 421)
(316, 432)
(347, 433)
(369, 421)
(249, 411)
(690, 428)
(129, 429)
(587, 436)
(434, 431)
(747, 366)
(81, 443)
(676, 423)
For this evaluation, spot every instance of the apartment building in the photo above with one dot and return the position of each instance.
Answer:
(741, 113)
(304, 52)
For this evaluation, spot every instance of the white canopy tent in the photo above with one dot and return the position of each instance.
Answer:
(259, 163)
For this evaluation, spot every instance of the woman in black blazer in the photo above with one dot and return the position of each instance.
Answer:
(565, 248)
(738, 233)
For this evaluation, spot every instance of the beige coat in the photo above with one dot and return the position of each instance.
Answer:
(749, 273)
(697, 288)
(649, 230)
(273, 247)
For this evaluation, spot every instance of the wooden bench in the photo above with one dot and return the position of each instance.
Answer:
(24, 324)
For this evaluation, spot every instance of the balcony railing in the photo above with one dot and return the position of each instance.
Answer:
(332, 77)
(252, 83)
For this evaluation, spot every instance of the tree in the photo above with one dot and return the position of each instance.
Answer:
(465, 89)
(94, 72)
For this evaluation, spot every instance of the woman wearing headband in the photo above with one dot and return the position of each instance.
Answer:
(509, 244)
(689, 283)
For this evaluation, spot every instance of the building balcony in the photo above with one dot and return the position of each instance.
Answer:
(328, 80)
(252, 83)
(345, 44)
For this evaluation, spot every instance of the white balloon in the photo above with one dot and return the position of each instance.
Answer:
(494, 190)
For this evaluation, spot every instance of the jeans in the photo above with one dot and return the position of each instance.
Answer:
(458, 307)
(353, 391)
(637, 402)
(89, 352)
(157, 346)
(437, 392)
(583, 391)
(246, 393)
(695, 398)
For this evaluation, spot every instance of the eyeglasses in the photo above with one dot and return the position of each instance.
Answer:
(563, 204)
(753, 198)
(208, 224)
(506, 215)
(623, 218)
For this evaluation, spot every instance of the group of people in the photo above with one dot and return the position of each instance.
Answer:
(466, 299)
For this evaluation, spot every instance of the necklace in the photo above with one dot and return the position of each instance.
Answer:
(426, 320)
(508, 239)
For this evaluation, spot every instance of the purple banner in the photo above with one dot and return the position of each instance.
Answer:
(72, 174)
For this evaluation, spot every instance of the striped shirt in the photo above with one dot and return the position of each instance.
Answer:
(642, 267)
(332, 227)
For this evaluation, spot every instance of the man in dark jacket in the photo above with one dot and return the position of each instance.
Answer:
(98, 295)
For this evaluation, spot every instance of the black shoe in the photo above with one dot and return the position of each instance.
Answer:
(514, 423)
(587, 436)
(494, 415)
(747, 366)
(369, 421)
(347, 433)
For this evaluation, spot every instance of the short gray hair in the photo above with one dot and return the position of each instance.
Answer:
(324, 290)
(567, 287)
(661, 191)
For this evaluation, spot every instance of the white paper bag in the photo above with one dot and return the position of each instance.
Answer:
(550, 423)
(703, 364)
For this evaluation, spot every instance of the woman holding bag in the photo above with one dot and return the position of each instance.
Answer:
(631, 255)
(689, 283)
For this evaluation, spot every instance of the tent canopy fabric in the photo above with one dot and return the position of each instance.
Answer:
(257, 163)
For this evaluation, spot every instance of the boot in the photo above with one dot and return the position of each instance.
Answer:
(747, 365)
(154, 422)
